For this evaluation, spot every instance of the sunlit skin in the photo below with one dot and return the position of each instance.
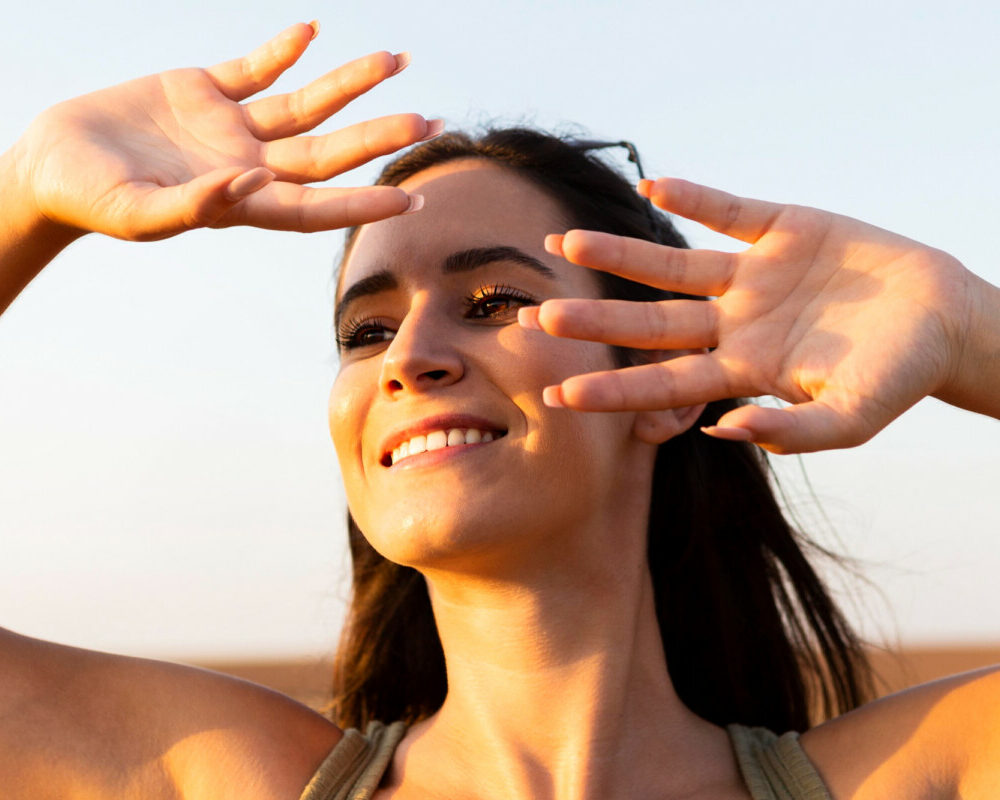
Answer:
(534, 544)
(435, 354)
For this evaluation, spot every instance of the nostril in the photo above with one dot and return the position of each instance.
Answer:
(395, 385)
(436, 374)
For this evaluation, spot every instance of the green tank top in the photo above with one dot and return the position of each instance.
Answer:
(773, 767)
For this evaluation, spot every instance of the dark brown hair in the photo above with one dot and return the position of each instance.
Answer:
(750, 633)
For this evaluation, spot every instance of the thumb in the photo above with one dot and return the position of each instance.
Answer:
(160, 212)
(802, 428)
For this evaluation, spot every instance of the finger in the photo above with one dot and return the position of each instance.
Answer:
(290, 207)
(683, 381)
(802, 428)
(145, 212)
(317, 158)
(290, 114)
(739, 217)
(242, 77)
(690, 271)
(669, 324)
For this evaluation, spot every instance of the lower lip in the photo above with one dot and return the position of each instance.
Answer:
(429, 458)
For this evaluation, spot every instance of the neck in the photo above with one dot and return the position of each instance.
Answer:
(557, 682)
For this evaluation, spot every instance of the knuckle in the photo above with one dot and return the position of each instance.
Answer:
(732, 210)
(296, 106)
(617, 394)
(663, 385)
(671, 264)
(654, 322)
(619, 256)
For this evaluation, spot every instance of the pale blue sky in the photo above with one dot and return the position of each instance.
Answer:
(167, 486)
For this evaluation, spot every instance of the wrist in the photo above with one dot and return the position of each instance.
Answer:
(28, 239)
(973, 382)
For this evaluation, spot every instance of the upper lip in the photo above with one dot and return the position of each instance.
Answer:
(439, 422)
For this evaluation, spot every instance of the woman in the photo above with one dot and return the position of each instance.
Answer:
(528, 523)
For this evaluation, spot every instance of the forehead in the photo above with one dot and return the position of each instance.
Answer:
(467, 203)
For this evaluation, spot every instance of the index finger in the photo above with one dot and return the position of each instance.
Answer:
(242, 77)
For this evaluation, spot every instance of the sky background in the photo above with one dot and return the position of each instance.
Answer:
(167, 484)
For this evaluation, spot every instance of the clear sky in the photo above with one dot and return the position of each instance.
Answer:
(167, 485)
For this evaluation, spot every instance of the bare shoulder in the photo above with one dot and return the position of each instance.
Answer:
(938, 740)
(76, 724)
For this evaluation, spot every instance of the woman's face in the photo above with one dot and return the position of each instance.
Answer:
(432, 357)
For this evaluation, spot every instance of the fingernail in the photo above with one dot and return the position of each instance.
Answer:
(249, 182)
(434, 128)
(730, 434)
(645, 187)
(402, 62)
(553, 244)
(315, 26)
(527, 317)
(552, 397)
(416, 203)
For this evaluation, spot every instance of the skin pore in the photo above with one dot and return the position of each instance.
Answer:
(533, 545)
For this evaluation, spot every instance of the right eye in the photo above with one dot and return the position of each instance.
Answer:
(364, 333)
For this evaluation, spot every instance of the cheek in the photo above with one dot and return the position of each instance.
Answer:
(537, 356)
(350, 397)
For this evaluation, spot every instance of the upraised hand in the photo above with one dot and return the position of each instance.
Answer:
(849, 323)
(166, 153)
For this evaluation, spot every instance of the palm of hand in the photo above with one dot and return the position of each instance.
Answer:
(820, 311)
(847, 322)
(162, 154)
(158, 131)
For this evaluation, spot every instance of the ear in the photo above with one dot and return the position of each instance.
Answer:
(656, 427)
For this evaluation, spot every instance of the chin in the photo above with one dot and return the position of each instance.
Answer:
(496, 538)
(450, 536)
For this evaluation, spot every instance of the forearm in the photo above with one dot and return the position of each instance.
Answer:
(974, 383)
(28, 241)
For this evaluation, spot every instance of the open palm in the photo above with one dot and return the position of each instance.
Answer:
(174, 151)
(849, 323)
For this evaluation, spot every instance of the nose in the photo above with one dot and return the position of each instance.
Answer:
(422, 355)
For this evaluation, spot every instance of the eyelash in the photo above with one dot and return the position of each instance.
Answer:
(348, 338)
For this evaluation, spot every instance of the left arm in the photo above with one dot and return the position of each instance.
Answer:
(938, 740)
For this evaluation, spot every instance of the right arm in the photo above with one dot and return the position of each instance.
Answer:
(160, 155)
(146, 160)
(81, 725)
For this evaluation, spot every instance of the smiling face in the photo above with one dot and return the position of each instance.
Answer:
(445, 446)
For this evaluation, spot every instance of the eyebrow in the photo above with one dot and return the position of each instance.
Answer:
(462, 261)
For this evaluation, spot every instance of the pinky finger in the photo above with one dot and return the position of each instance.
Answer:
(740, 217)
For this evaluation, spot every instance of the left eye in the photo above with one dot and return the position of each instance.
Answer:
(496, 302)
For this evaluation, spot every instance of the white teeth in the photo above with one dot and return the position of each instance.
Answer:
(436, 440)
